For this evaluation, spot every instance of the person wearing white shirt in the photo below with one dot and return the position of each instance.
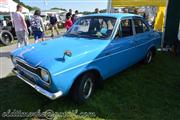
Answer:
(20, 27)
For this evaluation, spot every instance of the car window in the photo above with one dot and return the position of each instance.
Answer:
(93, 27)
(126, 28)
(140, 26)
(83, 26)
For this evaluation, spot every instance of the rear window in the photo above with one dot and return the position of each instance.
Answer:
(140, 26)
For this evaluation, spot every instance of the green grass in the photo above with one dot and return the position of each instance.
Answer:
(142, 92)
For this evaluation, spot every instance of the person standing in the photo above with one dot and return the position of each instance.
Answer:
(20, 27)
(53, 23)
(69, 13)
(68, 23)
(37, 26)
(96, 11)
(27, 20)
(75, 16)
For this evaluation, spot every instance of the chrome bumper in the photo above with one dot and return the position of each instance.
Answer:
(48, 94)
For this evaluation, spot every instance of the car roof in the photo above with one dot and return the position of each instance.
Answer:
(115, 15)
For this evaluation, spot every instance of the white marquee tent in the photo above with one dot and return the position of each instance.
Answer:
(10, 6)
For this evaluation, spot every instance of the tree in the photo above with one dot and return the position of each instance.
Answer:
(56, 8)
(103, 11)
(86, 12)
(35, 8)
(21, 3)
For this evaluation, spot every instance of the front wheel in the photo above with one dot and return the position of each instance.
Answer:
(83, 87)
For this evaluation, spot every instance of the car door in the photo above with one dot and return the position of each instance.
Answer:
(142, 37)
(120, 51)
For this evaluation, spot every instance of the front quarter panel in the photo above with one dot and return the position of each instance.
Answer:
(64, 80)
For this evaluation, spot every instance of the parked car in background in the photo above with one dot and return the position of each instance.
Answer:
(93, 49)
(7, 31)
(46, 21)
(6, 37)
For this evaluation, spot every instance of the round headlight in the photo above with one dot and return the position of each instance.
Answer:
(45, 75)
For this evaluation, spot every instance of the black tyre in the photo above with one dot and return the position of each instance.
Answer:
(83, 87)
(149, 56)
(6, 37)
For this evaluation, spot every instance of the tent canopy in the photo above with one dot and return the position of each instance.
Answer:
(10, 6)
(124, 3)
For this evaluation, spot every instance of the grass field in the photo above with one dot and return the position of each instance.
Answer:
(142, 92)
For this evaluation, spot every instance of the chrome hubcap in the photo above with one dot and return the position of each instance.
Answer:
(87, 88)
(149, 56)
(5, 36)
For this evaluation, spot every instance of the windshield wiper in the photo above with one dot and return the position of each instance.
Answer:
(71, 34)
(86, 36)
(96, 36)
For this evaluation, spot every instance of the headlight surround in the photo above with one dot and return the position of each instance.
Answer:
(13, 60)
(45, 75)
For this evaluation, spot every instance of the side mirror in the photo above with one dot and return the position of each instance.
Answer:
(68, 53)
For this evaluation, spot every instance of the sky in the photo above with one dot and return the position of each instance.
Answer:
(81, 5)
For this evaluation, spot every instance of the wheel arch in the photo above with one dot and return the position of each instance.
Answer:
(153, 48)
(96, 72)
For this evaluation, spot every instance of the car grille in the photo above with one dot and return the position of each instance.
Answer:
(27, 67)
(28, 76)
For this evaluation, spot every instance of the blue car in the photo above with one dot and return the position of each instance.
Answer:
(96, 47)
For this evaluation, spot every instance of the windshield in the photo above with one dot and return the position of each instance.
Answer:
(92, 27)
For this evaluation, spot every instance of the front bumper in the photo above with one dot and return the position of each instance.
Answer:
(41, 90)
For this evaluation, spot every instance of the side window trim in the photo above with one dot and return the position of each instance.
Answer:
(116, 27)
(133, 26)
(147, 25)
